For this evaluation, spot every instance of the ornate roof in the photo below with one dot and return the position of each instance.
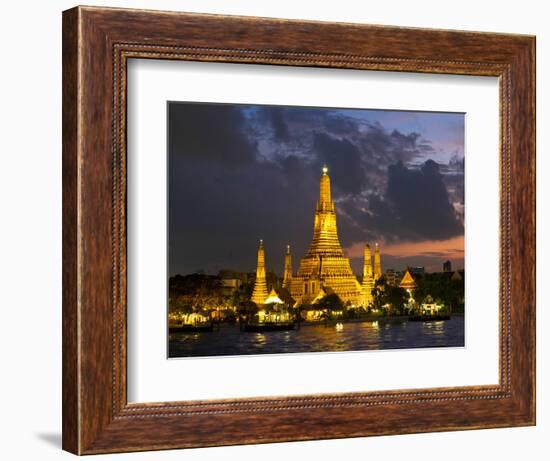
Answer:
(407, 282)
(273, 298)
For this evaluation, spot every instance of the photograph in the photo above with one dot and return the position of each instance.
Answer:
(313, 229)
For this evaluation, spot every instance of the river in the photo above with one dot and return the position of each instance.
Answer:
(383, 334)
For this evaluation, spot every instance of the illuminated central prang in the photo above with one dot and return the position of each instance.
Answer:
(325, 269)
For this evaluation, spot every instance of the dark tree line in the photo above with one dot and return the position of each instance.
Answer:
(443, 288)
(389, 298)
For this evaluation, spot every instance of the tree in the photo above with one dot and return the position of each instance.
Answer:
(441, 288)
(380, 287)
(247, 307)
(332, 302)
(385, 294)
(241, 294)
(397, 298)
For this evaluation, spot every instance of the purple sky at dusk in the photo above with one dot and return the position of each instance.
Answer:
(238, 173)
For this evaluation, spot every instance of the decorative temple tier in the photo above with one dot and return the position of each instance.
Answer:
(259, 294)
(324, 265)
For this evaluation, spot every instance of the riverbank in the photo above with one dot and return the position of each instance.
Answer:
(370, 318)
(377, 333)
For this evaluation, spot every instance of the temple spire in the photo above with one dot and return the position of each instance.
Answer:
(377, 265)
(325, 200)
(368, 281)
(367, 262)
(259, 295)
(325, 233)
(287, 280)
(325, 265)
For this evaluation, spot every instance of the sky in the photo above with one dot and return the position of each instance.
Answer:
(241, 173)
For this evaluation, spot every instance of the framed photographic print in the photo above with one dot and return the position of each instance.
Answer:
(280, 230)
(271, 166)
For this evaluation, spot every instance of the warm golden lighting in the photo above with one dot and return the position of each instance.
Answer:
(430, 307)
(324, 269)
(407, 282)
(194, 318)
(259, 294)
(368, 279)
(273, 317)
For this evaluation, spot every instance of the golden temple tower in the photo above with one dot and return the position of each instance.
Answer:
(287, 280)
(377, 265)
(259, 295)
(368, 280)
(324, 265)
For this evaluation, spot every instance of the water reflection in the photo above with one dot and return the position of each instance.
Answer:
(383, 334)
(434, 328)
(260, 338)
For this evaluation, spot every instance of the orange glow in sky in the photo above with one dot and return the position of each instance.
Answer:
(446, 249)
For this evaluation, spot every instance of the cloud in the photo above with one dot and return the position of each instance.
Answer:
(239, 173)
(203, 132)
(278, 123)
(415, 206)
(344, 158)
(385, 147)
(339, 125)
(421, 201)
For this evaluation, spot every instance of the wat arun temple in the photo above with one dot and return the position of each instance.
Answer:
(324, 269)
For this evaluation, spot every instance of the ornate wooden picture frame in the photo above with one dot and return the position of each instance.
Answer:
(97, 44)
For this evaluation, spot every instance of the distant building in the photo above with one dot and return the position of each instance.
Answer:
(416, 270)
(392, 277)
(230, 285)
(229, 274)
(447, 266)
(231, 281)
